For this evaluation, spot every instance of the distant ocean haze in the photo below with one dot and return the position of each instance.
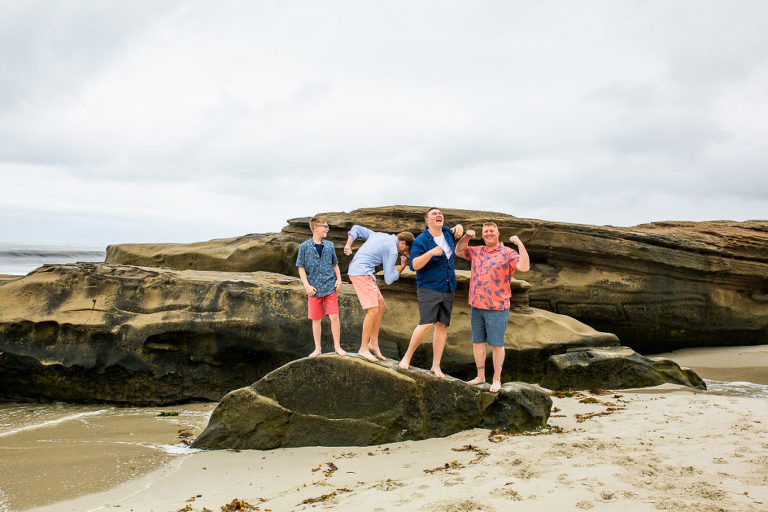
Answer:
(20, 258)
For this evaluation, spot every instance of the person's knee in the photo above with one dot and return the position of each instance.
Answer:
(440, 326)
(372, 311)
(382, 305)
(334, 318)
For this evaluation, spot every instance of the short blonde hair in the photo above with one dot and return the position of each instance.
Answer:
(491, 224)
(318, 219)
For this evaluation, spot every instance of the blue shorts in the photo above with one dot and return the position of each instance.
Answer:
(489, 326)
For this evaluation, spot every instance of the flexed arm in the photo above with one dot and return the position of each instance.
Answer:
(524, 263)
(464, 242)
(419, 261)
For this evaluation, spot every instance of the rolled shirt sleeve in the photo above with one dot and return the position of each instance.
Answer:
(390, 274)
(358, 231)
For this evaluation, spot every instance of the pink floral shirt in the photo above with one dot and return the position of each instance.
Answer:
(491, 273)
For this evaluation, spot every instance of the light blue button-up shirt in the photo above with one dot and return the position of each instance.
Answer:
(378, 249)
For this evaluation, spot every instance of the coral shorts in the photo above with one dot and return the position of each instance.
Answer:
(331, 303)
(367, 291)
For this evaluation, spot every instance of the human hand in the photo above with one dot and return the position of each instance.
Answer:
(470, 233)
(311, 290)
(457, 230)
(403, 259)
(436, 251)
(347, 250)
(338, 284)
(515, 240)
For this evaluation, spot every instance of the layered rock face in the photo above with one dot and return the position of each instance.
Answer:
(335, 401)
(659, 286)
(138, 335)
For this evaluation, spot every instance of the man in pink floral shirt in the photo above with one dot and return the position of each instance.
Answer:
(492, 267)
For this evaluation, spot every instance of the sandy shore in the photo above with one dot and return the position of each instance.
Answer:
(725, 363)
(658, 449)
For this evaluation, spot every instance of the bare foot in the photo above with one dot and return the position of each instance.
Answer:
(496, 386)
(403, 364)
(341, 351)
(367, 355)
(316, 353)
(378, 354)
(476, 381)
(438, 373)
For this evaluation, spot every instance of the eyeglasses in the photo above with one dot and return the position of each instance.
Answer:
(326, 226)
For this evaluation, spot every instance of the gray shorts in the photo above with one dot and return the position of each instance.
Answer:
(434, 306)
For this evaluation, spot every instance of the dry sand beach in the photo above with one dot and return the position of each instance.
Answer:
(664, 448)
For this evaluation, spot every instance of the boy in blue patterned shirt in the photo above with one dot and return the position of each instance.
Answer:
(320, 274)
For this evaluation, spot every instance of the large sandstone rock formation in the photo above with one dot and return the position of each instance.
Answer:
(335, 401)
(659, 286)
(139, 335)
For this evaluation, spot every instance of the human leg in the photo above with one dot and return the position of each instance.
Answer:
(374, 343)
(368, 325)
(418, 336)
(315, 308)
(496, 327)
(317, 326)
(331, 303)
(445, 307)
(498, 362)
(368, 294)
(336, 332)
(429, 307)
(477, 322)
(438, 345)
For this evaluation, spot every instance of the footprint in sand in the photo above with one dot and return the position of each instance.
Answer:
(584, 505)
(458, 506)
(507, 493)
(389, 485)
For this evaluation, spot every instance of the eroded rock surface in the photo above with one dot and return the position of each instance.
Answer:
(614, 368)
(139, 335)
(334, 401)
(659, 286)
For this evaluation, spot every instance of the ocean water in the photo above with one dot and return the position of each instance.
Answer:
(21, 258)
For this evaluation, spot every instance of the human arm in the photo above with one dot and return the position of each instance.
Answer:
(311, 290)
(524, 263)
(355, 233)
(390, 274)
(419, 261)
(464, 242)
(337, 271)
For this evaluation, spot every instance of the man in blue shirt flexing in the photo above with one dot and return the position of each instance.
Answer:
(432, 257)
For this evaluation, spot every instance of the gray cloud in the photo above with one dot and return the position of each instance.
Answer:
(187, 120)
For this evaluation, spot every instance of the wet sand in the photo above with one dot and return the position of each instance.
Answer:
(61, 451)
(747, 364)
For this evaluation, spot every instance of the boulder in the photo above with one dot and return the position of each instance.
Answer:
(659, 287)
(348, 401)
(614, 368)
(140, 335)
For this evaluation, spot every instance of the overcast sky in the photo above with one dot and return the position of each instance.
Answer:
(182, 121)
